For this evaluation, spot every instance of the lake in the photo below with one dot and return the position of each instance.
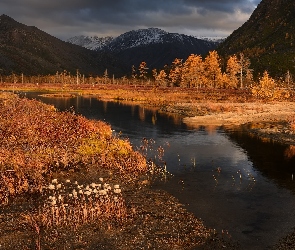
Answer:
(230, 180)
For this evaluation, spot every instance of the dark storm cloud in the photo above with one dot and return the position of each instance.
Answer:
(65, 18)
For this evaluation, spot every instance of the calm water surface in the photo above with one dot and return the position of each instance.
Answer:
(231, 181)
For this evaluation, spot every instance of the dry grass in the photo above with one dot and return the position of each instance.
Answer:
(36, 140)
(72, 205)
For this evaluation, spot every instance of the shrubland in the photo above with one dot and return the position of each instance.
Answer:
(37, 140)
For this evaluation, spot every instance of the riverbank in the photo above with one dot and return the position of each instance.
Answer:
(67, 182)
(196, 104)
(268, 121)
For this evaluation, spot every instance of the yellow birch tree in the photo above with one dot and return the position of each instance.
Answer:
(176, 72)
(212, 70)
(193, 72)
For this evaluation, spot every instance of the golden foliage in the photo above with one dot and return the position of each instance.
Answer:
(267, 89)
(36, 140)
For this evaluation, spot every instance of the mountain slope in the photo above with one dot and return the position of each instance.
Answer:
(154, 46)
(267, 38)
(91, 42)
(28, 50)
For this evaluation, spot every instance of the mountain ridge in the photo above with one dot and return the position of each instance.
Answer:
(153, 45)
(267, 38)
(26, 49)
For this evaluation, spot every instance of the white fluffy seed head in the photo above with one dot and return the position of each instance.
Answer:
(68, 181)
(101, 179)
(54, 181)
(117, 191)
(58, 186)
(116, 186)
(51, 187)
(102, 192)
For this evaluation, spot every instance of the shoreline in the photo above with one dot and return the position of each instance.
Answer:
(265, 120)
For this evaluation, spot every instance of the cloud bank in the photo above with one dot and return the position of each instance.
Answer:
(67, 18)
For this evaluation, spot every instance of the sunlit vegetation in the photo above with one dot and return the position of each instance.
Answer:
(73, 204)
(36, 140)
(203, 74)
(44, 155)
(268, 89)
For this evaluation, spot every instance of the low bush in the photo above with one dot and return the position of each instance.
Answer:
(36, 139)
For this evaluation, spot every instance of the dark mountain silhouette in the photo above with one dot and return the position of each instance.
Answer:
(154, 46)
(28, 50)
(267, 38)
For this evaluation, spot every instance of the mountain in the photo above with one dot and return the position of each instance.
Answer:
(154, 46)
(267, 38)
(91, 42)
(28, 50)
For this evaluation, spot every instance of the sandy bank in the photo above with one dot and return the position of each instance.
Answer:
(242, 113)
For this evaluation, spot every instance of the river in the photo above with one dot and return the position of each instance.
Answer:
(232, 181)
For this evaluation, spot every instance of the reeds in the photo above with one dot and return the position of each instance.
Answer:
(71, 204)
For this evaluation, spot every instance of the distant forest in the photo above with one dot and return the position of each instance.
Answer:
(194, 72)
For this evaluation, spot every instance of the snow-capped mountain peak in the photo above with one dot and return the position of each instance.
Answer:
(135, 39)
(91, 42)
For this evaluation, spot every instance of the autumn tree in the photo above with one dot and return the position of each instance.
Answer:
(133, 73)
(154, 73)
(245, 71)
(212, 69)
(268, 89)
(142, 70)
(192, 71)
(233, 71)
(176, 72)
(288, 79)
(162, 78)
(106, 76)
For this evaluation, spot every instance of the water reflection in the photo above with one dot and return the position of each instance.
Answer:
(230, 180)
(273, 160)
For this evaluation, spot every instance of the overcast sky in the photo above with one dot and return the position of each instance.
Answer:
(67, 18)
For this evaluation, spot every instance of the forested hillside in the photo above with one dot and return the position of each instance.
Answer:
(267, 38)
(28, 50)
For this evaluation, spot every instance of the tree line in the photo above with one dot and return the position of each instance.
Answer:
(194, 72)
